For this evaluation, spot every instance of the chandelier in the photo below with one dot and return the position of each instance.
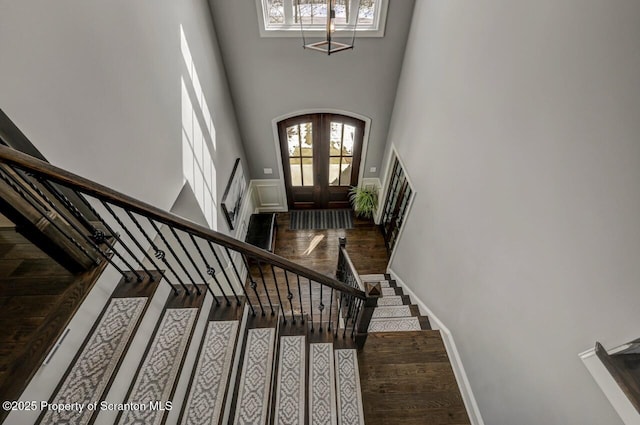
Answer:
(329, 44)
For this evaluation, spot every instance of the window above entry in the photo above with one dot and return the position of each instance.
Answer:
(282, 18)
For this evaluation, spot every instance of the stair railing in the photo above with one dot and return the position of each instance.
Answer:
(357, 310)
(93, 223)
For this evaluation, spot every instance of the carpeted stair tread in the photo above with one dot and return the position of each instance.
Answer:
(290, 390)
(390, 301)
(322, 391)
(372, 277)
(389, 292)
(395, 324)
(209, 385)
(255, 380)
(98, 360)
(392, 311)
(349, 396)
(161, 366)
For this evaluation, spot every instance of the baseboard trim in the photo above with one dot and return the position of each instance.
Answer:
(452, 351)
(609, 386)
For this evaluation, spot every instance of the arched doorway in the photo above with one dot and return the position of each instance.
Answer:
(321, 159)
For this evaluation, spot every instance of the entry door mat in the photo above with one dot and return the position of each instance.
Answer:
(321, 219)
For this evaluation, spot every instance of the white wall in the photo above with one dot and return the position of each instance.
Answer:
(96, 87)
(518, 123)
(271, 77)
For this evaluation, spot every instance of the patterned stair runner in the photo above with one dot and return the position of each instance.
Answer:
(97, 362)
(161, 366)
(394, 324)
(322, 391)
(204, 401)
(255, 381)
(350, 411)
(391, 315)
(390, 300)
(372, 277)
(290, 391)
(391, 311)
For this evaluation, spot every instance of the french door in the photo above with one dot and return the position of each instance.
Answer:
(321, 159)
(395, 206)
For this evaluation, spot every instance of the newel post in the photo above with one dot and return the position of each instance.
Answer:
(373, 291)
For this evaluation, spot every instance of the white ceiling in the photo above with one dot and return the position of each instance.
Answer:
(271, 77)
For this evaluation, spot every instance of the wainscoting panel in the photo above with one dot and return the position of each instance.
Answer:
(269, 195)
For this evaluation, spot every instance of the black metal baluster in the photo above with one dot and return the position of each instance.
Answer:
(353, 301)
(264, 284)
(155, 227)
(289, 296)
(24, 175)
(159, 254)
(95, 238)
(195, 266)
(300, 298)
(31, 200)
(222, 268)
(210, 271)
(311, 304)
(330, 309)
(71, 223)
(253, 285)
(67, 203)
(320, 307)
(127, 231)
(353, 327)
(98, 234)
(235, 269)
(275, 283)
(339, 315)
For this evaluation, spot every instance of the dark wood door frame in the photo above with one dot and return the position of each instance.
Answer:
(321, 194)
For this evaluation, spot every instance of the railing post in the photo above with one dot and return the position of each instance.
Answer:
(342, 242)
(373, 291)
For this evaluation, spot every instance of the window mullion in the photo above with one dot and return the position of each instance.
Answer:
(353, 12)
(288, 11)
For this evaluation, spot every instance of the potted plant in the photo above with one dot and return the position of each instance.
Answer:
(364, 200)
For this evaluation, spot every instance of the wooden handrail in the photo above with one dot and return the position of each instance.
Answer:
(356, 276)
(86, 186)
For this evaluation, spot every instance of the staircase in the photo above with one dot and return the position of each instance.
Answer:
(394, 311)
(247, 369)
(192, 334)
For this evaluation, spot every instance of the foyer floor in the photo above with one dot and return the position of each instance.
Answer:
(406, 377)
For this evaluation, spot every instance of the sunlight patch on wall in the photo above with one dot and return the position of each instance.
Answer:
(198, 134)
(193, 74)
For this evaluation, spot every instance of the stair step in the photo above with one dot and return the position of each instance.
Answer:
(372, 277)
(349, 396)
(395, 324)
(207, 391)
(156, 378)
(392, 311)
(386, 292)
(98, 361)
(290, 392)
(255, 381)
(322, 391)
(390, 301)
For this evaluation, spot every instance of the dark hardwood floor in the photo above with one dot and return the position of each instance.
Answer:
(37, 299)
(406, 377)
(318, 250)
